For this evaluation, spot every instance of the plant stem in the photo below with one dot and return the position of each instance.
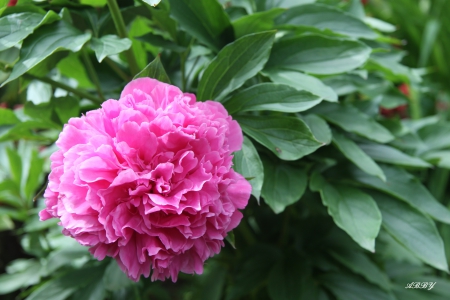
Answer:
(63, 86)
(122, 31)
(92, 74)
(416, 110)
(112, 64)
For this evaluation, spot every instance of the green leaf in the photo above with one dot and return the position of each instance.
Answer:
(7, 117)
(331, 55)
(44, 42)
(66, 108)
(205, 20)
(155, 70)
(352, 210)
(114, 279)
(388, 64)
(60, 288)
(271, 96)
(6, 223)
(346, 286)
(319, 128)
(234, 64)
(359, 122)
(248, 164)
(212, 284)
(257, 22)
(415, 231)
(39, 92)
(72, 67)
(406, 187)
(391, 155)
(379, 24)
(326, 17)
(435, 136)
(28, 274)
(360, 264)
(16, 27)
(439, 158)
(109, 45)
(287, 137)
(302, 81)
(351, 150)
(284, 184)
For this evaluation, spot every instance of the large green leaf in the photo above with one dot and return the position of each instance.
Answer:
(287, 137)
(204, 19)
(235, 63)
(271, 96)
(108, 45)
(28, 274)
(326, 17)
(359, 263)
(319, 128)
(248, 164)
(60, 288)
(351, 150)
(155, 70)
(347, 286)
(318, 54)
(257, 22)
(45, 41)
(284, 184)
(351, 119)
(391, 155)
(353, 211)
(302, 81)
(7, 117)
(16, 27)
(415, 231)
(406, 187)
(436, 136)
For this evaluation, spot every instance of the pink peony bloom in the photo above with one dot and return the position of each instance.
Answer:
(148, 180)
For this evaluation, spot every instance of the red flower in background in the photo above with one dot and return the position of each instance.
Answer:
(401, 110)
(12, 2)
(364, 2)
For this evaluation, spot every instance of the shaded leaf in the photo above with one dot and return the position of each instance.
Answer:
(351, 150)
(406, 187)
(359, 122)
(415, 231)
(284, 184)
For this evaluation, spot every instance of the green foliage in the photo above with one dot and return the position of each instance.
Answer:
(349, 166)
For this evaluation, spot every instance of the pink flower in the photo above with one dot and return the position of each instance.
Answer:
(148, 180)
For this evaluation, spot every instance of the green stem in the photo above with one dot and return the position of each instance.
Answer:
(117, 69)
(92, 74)
(183, 72)
(416, 110)
(122, 31)
(65, 87)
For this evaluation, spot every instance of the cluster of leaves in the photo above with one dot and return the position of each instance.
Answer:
(344, 200)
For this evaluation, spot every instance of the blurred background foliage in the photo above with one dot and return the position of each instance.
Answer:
(385, 61)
